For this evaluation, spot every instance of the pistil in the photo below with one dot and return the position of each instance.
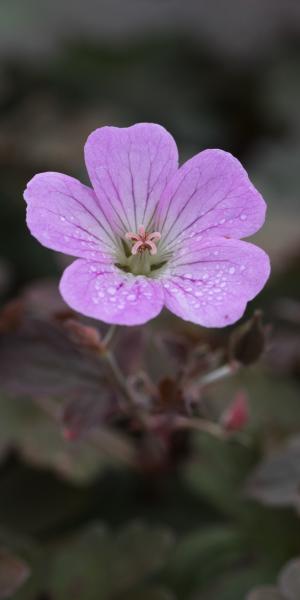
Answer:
(143, 241)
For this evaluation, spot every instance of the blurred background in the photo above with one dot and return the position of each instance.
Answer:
(215, 74)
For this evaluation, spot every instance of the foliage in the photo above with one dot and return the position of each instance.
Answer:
(146, 493)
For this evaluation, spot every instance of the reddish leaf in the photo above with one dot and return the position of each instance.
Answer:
(40, 359)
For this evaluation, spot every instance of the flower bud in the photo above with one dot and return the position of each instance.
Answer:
(247, 343)
(237, 415)
(83, 335)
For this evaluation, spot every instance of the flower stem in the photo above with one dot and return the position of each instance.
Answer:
(109, 356)
(119, 377)
(182, 422)
(178, 422)
(109, 335)
(220, 373)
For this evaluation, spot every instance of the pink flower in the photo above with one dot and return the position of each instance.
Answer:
(151, 234)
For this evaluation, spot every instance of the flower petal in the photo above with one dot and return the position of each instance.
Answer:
(210, 284)
(105, 293)
(64, 215)
(211, 194)
(129, 169)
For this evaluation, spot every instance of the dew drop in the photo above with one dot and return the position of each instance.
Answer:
(232, 270)
(111, 290)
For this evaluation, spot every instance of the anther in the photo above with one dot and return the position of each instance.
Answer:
(143, 241)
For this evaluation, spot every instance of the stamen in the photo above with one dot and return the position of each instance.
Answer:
(143, 240)
(132, 236)
(136, 247)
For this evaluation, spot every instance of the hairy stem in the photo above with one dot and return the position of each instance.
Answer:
(117, 373)
(217, 374)
(182, 422)
(119, 377)
(109, 335)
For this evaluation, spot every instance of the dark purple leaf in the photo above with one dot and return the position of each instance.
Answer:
(82, 414)
(40, 359)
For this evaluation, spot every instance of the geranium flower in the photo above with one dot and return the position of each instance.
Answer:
(151, 234)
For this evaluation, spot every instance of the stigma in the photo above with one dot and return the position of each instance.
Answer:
(142, 241)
